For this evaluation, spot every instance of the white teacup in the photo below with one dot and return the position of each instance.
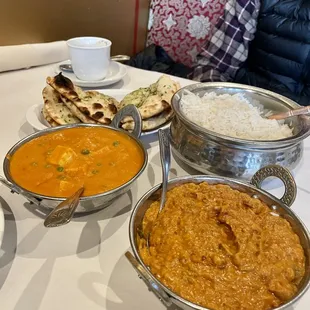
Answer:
(90, 57)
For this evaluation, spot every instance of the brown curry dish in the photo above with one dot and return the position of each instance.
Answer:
(222, 249)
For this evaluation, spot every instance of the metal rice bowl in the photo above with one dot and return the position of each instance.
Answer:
(212, 153)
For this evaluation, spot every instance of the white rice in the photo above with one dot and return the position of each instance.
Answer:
(232, 115)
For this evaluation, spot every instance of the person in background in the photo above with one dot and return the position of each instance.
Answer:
(279, 56)
(227, 49)
(277, 59)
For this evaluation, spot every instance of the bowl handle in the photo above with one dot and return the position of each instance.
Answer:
(284, 175)
(16, 190)
(129, 110)
(150, 283)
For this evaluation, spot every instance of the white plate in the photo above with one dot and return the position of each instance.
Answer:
(1, 224)
(35, 118)
(116, 72)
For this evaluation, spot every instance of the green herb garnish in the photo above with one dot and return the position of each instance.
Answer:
(116, 143)
(95, 171)
(85, 152)
(60, 169)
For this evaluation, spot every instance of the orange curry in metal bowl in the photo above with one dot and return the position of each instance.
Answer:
(222, 249)
(59, 163)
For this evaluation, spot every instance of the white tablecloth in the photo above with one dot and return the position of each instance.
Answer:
(82, 265)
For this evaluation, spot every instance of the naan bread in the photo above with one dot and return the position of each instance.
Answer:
(97, 106)
(136, 97)
(109, 99)
(153, 103)
(153, 122)
(56, 108)
(152, 106)
(48, 118)
(75, 111)
(153, 100)
(166, 88)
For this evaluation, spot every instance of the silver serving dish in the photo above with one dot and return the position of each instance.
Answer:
(209, 152)
(281, 206)
(88, 203)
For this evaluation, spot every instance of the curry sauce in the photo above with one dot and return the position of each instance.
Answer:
(59, 163)
(222, 249)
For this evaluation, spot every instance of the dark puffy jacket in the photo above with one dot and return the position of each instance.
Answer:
(279, 56)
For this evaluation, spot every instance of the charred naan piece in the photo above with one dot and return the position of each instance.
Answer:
(153, 122)
(75, 111)
(93, 104)
(109, 99)
(48, 118)
(56, 108)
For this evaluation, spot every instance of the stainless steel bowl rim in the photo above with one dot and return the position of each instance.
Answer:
(236, 141)
(203, 178)
(34, 135)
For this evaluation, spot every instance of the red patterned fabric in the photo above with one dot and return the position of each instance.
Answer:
(182, 27)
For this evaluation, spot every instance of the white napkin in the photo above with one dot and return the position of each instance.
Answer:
(30, 55)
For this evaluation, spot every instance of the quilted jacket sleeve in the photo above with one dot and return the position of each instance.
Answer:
(279, 56)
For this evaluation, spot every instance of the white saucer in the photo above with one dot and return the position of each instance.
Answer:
(116, 72)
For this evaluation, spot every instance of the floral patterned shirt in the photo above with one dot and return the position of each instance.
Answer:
(182, 27)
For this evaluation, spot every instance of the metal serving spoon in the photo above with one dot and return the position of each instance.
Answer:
(119, 58)
(300, 111)
(63, 213)
(165, 158)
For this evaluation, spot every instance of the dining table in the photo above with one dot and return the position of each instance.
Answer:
(82, 265)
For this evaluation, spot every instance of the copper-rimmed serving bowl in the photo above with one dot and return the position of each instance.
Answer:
(87, 203)
(280, 206)
(210, 152)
